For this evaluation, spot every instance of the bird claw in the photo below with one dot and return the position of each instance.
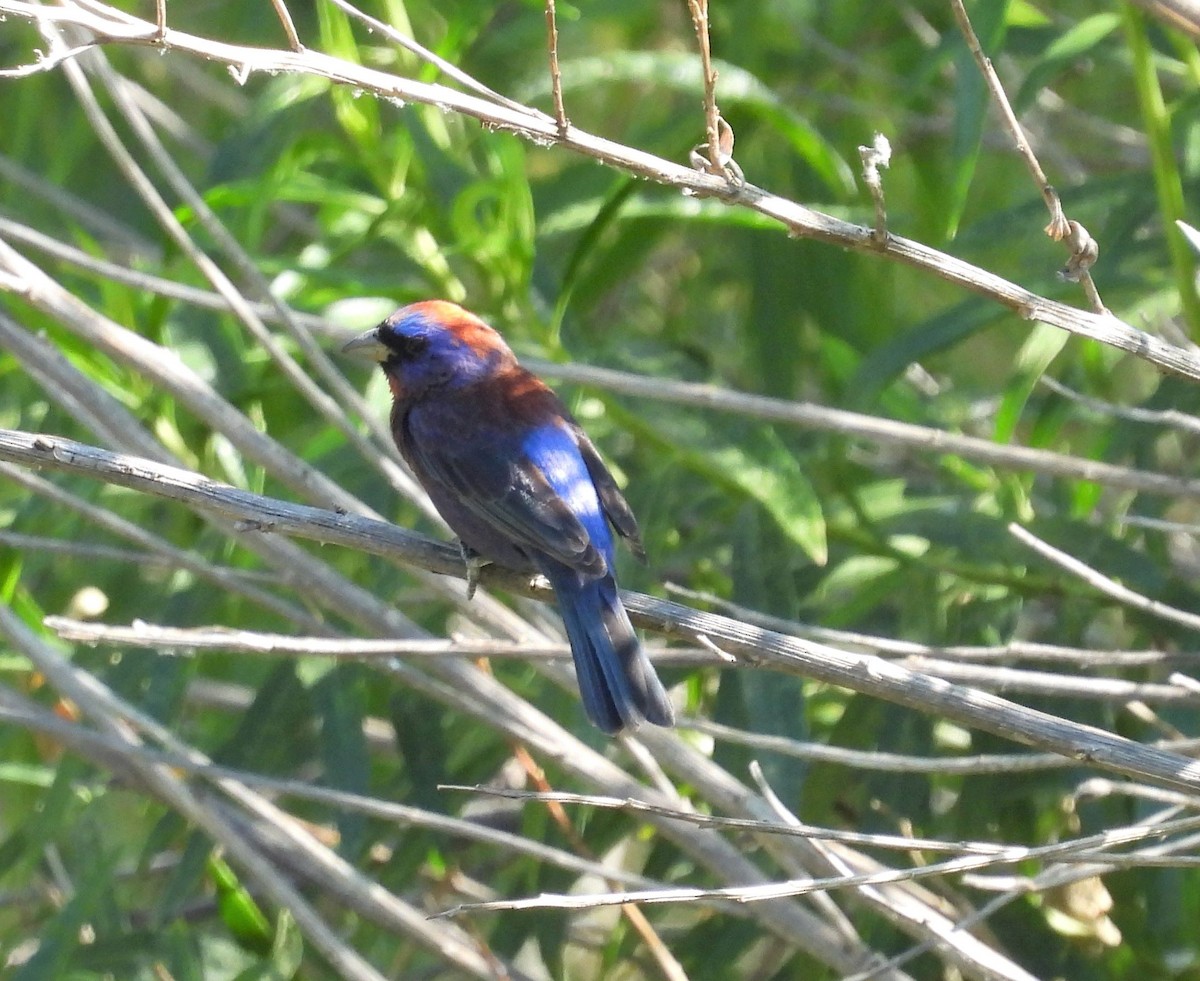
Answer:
(474, 562)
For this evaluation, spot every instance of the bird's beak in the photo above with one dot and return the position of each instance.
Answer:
(367, 345)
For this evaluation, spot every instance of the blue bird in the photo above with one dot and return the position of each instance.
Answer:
(522, 486)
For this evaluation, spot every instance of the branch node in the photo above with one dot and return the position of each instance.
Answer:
(702, 159)
(1059, 227)
(1084, 253)
(254, 524)
(709, 645)
(240, 73)
(877, 157)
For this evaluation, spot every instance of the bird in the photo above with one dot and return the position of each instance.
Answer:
(521, 485)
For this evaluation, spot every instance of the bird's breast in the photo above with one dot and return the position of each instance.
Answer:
(399, 393)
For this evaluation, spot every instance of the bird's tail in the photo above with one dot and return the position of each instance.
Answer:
(616, 680)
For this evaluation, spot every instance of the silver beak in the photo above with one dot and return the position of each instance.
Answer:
(367, 345)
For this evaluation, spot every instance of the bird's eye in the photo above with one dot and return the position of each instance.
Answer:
(406, 348)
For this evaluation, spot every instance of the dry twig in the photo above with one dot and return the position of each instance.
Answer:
(1084, 250)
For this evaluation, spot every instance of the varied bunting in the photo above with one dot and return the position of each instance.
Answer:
(521, 485)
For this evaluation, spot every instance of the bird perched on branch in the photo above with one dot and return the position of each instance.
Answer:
(522, 486)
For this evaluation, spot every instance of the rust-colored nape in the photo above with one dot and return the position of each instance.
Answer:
(465, 326)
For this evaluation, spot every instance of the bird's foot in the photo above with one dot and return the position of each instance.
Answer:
(474, 562)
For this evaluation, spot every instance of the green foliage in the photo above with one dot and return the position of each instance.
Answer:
(350, 205)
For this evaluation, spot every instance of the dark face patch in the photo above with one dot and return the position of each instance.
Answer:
(403, 347)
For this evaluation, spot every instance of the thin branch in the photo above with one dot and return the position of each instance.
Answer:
(88, 551)
(1014, 650)
(560, 112)
(1050, 878)
(1046, 683)
(289, 27)
(885, 432)
(1182, 14)
(1102, 583)
(119, 237)
(83, 551)
(219, 576)
(184, 640)
(712, 115)
(796, 829)
(1171, 418)
(904, 763)
(1060, 228)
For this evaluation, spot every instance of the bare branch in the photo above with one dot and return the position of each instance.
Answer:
(1103, 583)
(1172, 418)
(176, 557)
(1083, 248)
(903, 763)
(560, 112)
(1014, 650)
(797, 829)
(289, 27)
(712, 115)
(183, 640)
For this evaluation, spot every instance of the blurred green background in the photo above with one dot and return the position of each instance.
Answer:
(351, 206)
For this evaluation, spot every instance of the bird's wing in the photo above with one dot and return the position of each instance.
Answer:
(611, 498)
(507, 487)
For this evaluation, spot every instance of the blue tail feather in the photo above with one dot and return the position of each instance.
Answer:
(617, 682)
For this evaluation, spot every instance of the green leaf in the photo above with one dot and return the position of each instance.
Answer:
(1039, 350)
(1077, 42)
(971, 103)
(928, 337)
(339, 701)
(766, 471)
(241, 915)
(1022, 13)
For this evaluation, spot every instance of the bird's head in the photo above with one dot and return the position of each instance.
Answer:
(432, 344)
